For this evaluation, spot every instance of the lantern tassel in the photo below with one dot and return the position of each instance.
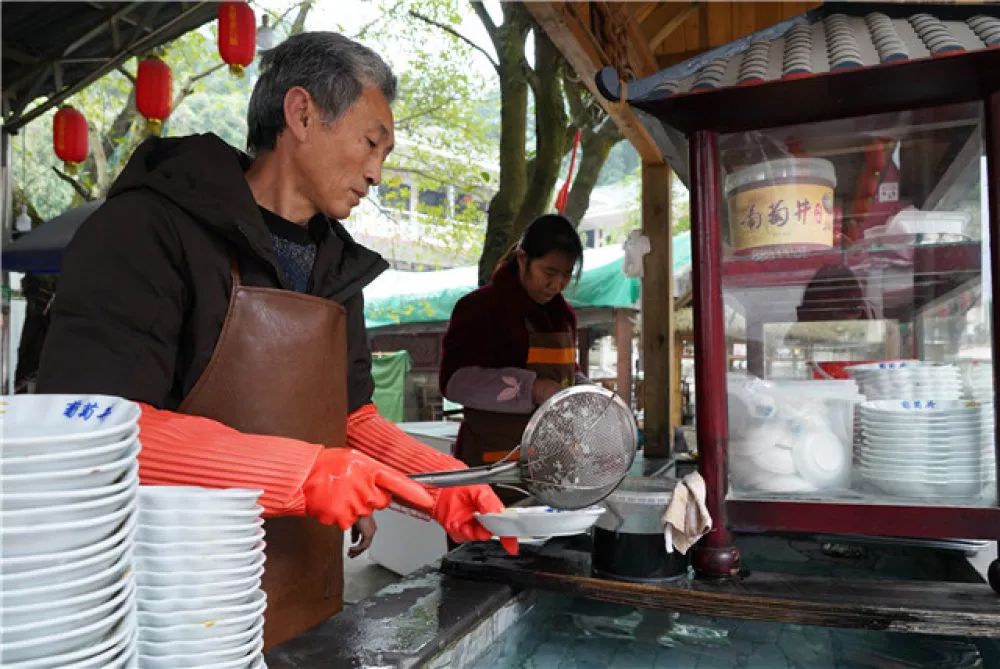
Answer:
(154, 126)
(236, 70)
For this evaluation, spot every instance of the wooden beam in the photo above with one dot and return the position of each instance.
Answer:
(623, 346)
(641, 56)
(586, 56)
(642, 11)
(657, 310)
(664, 21)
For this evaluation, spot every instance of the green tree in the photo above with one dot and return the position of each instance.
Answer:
(541, 100)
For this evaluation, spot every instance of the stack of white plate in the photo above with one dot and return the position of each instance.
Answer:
(928, 449)
(68, 482)
(903, 379)
(199, 560)
(978, 378)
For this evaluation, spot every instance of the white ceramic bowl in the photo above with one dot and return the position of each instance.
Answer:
(64, 513)
(65, 419)
(53, 608)
(244, 559)
(66, 572)
(65, 565)
(10, 501)
(221, 628)
(80, 638)
(21, 541)
(196, 548)
(72, 479)
(88, 456)
(539, 521)
(918, 473)
(93, 656)
(34, 594)
(822, 459)
(121, 655)
(169, 579)
(159, 649)
(191, 499)
(928, 491)
(244, 652)
(774, 460)
(183, 518)
(759, 481)
(173, 534)
(147, 602)
(28, 540)
(193, 593)
(949, 460)
(202, 616)
(25, 630)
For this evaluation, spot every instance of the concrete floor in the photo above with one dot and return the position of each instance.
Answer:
(363, 578)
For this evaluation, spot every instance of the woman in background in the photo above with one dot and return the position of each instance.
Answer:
(511, 344)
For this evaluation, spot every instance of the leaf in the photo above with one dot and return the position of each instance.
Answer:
(507, 394)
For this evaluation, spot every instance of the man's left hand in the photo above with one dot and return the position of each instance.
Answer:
(455, 509)
(361, 536)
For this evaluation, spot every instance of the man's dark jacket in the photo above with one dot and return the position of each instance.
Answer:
(146, 280)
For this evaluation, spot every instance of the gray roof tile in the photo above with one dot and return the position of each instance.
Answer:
(820, 43)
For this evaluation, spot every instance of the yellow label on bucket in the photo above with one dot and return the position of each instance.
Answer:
(789, 213)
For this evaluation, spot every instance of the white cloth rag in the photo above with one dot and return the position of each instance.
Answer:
(686, 519)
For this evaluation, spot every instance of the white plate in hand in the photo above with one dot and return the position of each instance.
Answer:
(539, 521)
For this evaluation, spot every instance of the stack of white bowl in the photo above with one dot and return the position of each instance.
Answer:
(978, 378)
(68, 482)
(199, 561)
(904, 379)
(929, 449)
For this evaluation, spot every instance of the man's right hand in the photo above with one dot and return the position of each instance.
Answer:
(345, 485)
(543, 389)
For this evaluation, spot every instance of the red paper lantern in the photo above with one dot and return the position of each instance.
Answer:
(237, 35)
(153, 92)
(69, 137)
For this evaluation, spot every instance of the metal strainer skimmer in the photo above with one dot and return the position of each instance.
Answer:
(575, 450)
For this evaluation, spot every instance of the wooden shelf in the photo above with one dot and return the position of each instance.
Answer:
(926, 607)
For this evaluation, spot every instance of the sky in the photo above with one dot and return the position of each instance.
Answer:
(351, 15)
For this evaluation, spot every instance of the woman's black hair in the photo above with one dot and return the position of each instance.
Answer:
(545, 234)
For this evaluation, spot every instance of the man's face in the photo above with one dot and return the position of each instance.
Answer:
(544, 278)
(343, 159)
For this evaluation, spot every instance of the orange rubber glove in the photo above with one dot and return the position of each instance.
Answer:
(454, 508)
(345, 484)
(178, 449)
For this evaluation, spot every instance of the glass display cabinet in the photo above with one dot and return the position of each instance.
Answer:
(844, 227)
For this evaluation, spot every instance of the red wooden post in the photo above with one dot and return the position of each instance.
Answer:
(715, 555)
(992, 130)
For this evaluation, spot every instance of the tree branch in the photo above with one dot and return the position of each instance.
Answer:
(532, 78)
(448, 29)
(188, 87)
(125, 73)
(487, 21)
(299, 24)
(363, 31)
(76, 185)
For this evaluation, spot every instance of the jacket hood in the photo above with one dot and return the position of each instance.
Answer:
(203, 175)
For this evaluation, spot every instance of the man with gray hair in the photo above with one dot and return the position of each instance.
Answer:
(220, 291)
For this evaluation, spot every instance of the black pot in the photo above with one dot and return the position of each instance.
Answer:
(635, 557)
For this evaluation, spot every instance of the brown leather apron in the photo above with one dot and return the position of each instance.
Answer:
(487, 436)
(280, 368)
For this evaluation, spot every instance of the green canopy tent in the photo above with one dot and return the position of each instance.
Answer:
(399, 297)
(409, 311)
